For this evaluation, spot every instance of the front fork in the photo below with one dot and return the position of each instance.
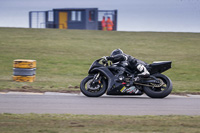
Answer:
(96, 80)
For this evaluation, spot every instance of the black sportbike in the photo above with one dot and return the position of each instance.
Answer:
(119, 79)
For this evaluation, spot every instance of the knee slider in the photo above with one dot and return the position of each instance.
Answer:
(140, 67)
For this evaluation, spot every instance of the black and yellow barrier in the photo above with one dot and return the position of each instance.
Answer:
(21, 63)
(24, 70)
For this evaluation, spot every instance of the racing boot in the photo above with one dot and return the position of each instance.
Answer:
(144, 72)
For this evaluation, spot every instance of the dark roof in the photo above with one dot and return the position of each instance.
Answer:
(75, 8)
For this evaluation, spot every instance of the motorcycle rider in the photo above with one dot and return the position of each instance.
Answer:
(117, 56)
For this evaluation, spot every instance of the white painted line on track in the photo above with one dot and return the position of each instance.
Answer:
(3, 92)
(23, 93)
(61, 94)
(193, 96)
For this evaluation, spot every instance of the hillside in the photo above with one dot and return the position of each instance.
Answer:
(64, 56)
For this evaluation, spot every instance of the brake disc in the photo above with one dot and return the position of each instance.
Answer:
(92, 88)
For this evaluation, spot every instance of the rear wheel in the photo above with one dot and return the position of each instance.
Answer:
(93, 89)
(159, 90)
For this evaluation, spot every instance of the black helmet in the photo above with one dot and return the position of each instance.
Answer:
(116, 52)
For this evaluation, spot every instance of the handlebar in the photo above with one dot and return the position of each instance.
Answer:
(104, 61)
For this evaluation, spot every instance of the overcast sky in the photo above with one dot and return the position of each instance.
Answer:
(133, 15)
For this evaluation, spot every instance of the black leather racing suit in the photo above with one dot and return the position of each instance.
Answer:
(133, 63)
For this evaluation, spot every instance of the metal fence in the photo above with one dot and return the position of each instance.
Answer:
(40, 19)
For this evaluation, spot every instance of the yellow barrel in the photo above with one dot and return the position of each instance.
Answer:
(21, 63)
(24, 78)
(24, 70)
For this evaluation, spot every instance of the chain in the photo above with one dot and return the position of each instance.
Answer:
(144, 84)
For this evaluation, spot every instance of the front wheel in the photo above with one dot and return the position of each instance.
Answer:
(159, 91)
(93, 90)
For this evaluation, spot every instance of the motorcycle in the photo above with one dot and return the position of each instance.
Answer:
(118, 79)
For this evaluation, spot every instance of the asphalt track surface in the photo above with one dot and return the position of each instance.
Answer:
(61, 103)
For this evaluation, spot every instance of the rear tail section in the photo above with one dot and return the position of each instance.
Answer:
(159, 67)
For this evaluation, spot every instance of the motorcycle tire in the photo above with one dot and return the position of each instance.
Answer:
(149, 91)
(90, 93)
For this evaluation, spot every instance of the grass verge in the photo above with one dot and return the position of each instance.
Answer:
(64, 56)
(54, 123)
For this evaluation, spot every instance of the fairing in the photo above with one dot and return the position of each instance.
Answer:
(159, 67)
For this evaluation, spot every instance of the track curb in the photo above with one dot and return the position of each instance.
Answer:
(80, 94)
